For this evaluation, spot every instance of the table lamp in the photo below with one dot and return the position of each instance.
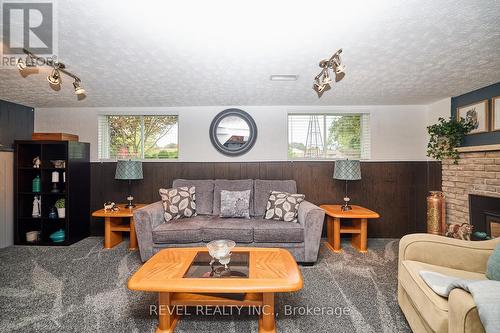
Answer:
(347, 170)
(55, 180)
(129, 170)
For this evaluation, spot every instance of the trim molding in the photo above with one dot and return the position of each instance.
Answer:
(478, 148)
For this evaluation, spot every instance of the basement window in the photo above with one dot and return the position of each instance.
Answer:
(329, 136)
(138, 137)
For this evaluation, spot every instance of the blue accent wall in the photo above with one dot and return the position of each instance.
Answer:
(472, 97)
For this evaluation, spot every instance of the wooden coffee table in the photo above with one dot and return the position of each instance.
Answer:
(270, 270)
(117, 222)
(359, 229)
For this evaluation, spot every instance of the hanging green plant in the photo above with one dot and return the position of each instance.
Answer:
(445, 136)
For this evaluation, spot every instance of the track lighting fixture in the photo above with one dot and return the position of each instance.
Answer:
(23, 64)
(78, 88)
(57, 68)
(322, 81)
(326, 77)
(339, 71)
(54, 78)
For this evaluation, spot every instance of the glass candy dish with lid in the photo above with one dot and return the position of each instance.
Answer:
(220, 250)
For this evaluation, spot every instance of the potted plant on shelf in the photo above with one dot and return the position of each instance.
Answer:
(446, 136)
(61, 210)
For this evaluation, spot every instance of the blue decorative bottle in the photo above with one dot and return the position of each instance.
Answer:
(52, 213)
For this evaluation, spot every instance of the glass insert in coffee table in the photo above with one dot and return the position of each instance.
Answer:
(201, 268)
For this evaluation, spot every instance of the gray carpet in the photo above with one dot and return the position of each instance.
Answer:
(82, 288)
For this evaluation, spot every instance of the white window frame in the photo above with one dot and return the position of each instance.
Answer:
(142, 115)
(365, 145)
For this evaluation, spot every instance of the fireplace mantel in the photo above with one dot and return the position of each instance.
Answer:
(478, 148)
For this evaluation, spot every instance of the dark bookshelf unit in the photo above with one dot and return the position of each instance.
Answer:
(75, 190)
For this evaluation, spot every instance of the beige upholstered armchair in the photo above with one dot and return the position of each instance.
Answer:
(425, 310)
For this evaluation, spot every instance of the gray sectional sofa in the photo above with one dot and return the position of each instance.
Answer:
(302, 239)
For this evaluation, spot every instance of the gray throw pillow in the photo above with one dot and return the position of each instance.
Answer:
(178, 202)
(235, 204)
(283, 206)
(493, 269)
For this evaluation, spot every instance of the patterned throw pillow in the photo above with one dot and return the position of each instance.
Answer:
(459, 231)
(235, 204)
(178, 202)
(283, 206)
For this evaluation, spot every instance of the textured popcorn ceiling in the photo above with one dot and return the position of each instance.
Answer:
(189, 53)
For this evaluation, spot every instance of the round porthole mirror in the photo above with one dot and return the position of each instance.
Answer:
(233, 132)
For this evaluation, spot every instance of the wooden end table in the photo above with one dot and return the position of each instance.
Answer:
(359, 228)
(117, 222)
(270, 271)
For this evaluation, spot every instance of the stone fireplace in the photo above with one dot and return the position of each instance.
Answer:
(472, 189)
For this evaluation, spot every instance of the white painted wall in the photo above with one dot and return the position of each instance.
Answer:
(398, 132)
(441, 108)
(436, 110)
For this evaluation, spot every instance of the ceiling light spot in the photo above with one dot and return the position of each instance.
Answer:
(284, 77)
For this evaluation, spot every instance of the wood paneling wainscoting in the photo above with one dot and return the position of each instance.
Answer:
(396, 190)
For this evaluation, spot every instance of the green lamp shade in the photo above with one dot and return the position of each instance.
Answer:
(128, 170)
(347, 170)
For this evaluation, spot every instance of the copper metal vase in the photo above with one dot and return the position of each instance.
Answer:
(436, 213)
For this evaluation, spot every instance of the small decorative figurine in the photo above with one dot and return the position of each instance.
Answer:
(37, 203)
(58, 164)
(110, 206)
(37, 162)
(53, 213)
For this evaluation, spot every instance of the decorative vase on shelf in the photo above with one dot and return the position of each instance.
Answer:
(61, 212)
(58, 236)
(36, 184)
(436, 213)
